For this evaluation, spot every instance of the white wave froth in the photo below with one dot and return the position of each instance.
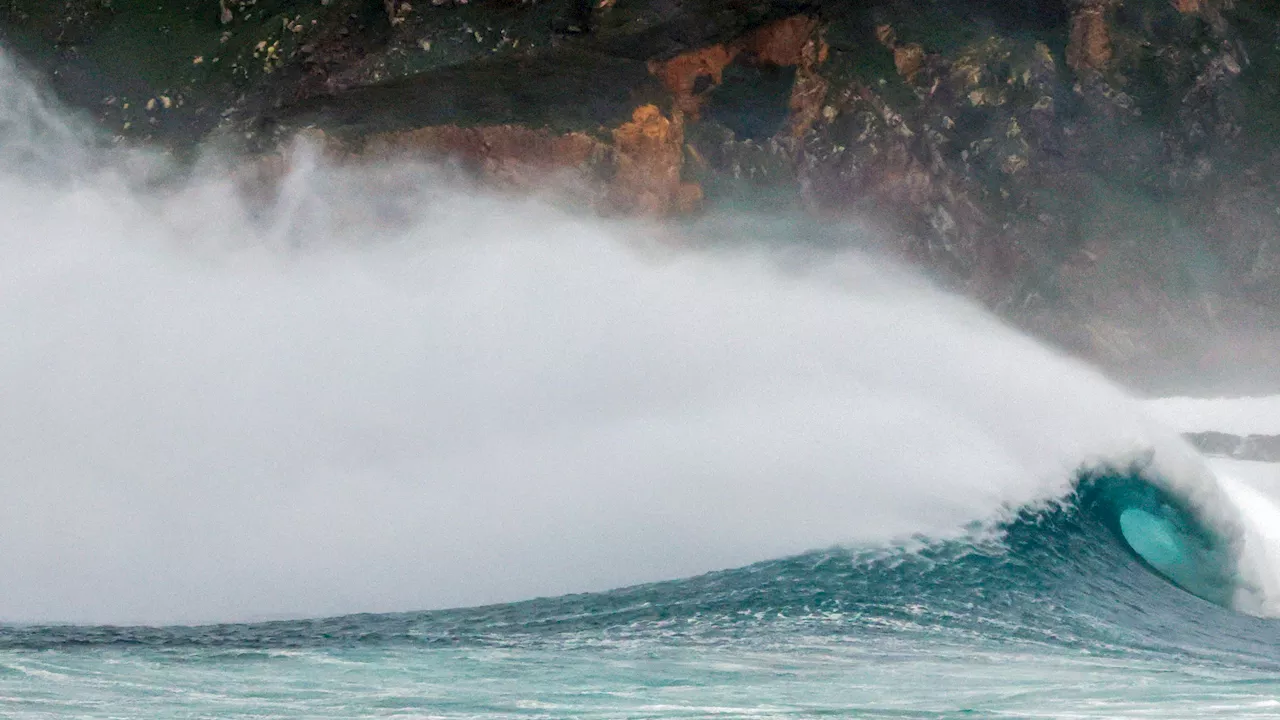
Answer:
(210, 415)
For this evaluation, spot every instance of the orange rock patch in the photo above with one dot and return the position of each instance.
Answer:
(785, 42)
(510, 155)
(641, 169)
(792, 41)
(681, 73)
(886, 36)
(640, 172)
(908, 59)
(648, 158)
(1089, 41)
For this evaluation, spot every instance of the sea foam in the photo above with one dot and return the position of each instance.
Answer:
(388, 390)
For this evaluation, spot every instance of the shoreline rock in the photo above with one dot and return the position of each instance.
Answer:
(1256, 448)
(1104, 175)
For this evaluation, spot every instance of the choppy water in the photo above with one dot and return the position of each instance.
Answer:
(1056, 618)
(383, 390)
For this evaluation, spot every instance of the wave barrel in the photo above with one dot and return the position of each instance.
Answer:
(1168, 537)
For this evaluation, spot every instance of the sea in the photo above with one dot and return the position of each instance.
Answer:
(370, 441)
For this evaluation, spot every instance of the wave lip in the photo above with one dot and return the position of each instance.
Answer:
(1121, 564)
(301, 408)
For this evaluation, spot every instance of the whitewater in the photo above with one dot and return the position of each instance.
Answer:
(256, 446)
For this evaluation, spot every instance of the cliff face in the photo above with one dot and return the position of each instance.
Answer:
(1102, 173)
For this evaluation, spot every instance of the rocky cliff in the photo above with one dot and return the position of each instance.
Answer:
(1256, 448)
(1102, 173)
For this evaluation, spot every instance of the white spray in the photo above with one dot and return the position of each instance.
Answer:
(211, 416)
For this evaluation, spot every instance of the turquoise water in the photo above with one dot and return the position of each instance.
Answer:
(384, 390)
(1057, 616)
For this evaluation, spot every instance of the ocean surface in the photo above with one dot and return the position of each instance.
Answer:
(257, 443)
(1056, 617)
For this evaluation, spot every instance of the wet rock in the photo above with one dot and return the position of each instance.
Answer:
(1259, 448)
(689, 75)
(1089, 43)
(760, 85)
(649, 159)
(661, 29)
(509, 156)
(1101, 173)
(566, 91)
(792, 42)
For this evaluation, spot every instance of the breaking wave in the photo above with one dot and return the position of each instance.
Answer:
(381, 389)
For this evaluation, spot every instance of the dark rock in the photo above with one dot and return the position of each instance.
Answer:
(565, 90)
(1260, 448)
(1103, 174)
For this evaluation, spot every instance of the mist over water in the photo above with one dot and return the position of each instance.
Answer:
(392, 391)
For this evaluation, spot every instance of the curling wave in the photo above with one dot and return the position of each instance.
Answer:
(1074, 573)
(385, 390)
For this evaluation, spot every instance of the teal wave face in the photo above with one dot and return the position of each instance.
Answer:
(1074, 606)
(1099, 572)
(1166, 535)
